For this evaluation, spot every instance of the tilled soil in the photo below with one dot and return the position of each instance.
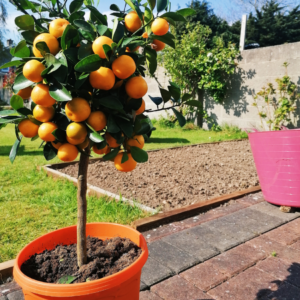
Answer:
(173, 178)
(104, 258)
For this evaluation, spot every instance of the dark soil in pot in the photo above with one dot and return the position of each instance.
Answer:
(104, 258)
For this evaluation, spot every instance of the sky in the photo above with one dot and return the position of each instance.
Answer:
(222, 8)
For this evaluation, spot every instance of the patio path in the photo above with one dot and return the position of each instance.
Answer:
(245, 250)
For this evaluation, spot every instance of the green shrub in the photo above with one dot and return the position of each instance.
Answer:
(190, 126)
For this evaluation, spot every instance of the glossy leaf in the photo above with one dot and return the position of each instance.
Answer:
(135, 8)
(7, 112)
(194, 103)
(16, 102)
(71, 54)
(112, 125)
(89, 64)
(186, 97)
(13, 63)
(25, 22)
(109, 102)
(166, 95)
(114, 7)
(49, 151)
(96, 137)
(60, 135)
(161, 5)
(70, 37)
(107, 50)
(168, 39)
(186, 12)
(180, 117)
(139, 155)
(85, 26)
(118, 31)
(124, 157)
(125, 126)
(152, 4)
(21, 50)
(75, 5)
(29, 36)
(156, 100)
(14, 149)
(174, 16)
(151, 59)
(84, 51)
(21, 82)
(148, 17)
(24, 111)
(175, 91)
(101, 18)
(111, 155)
(58, 92)
(78, 15)
(101, 29)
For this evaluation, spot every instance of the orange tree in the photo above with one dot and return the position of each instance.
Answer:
(86, 83)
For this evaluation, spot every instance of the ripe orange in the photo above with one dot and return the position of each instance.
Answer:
(136, 87)
(134, 50)
(145, 35)
(84, 144)
(127, 166)
(112, 142)
(51, 42)
(98, 45)
(136, 141)
(28, 128)
(43, 113)
(105, 150)
(160, 26)
(57, 27)
(32, 70)
(45, 131)
(123, 67)
(75, 141)
(102, 79)
(40, 95)
(97, 120)
(67, 152)
(141, 109)
(159, 45)
(77, 131)
(132, 21)
(118, 85)
(78, 110)
(57, 145)
(25, 93)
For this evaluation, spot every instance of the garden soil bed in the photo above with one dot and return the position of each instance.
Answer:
(173, 178)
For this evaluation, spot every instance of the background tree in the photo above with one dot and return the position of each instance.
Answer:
(252, 5)
(4, 55)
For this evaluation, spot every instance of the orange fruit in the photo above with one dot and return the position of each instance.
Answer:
(132, 21)
(102, 79)
(77, 131)
(28, 128)
(67, 152)
(25, 93)
(160, 26)
(134, 50)
(43, 113)
(57, 27)
(145, 35)
(57, 145)
(97, 120)
(159, 45)
(105, 150)
(127, 166)
(78, 109)
(45, 131)
(40, 95)
(112, 142)
(32, 70)
(118, 85)
(75, 141)
(141, 109)
(84, 144)
(136, 141)
(123, 67)
(136, 87)
(51, 42)
(98, 45)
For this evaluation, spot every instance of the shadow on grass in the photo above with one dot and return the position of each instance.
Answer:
(168, 140)
(5, 150)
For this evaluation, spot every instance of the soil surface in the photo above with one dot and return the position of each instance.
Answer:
(173, 178)
(104, 258)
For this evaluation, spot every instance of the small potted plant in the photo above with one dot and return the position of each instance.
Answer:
(86, 84)
(276, 149)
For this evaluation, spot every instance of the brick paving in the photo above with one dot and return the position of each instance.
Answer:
(246, 250)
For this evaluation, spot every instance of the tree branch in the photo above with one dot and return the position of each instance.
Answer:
(164, 108)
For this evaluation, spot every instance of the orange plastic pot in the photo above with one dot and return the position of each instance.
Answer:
(124, 285)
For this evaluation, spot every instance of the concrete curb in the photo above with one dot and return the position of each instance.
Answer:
(6, 269)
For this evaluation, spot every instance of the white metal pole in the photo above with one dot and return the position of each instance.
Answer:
(243, 33)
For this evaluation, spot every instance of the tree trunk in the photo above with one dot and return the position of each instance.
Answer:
(200, 110)
(82, 207)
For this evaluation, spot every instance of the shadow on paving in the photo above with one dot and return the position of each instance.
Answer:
(168, 140)
(287, 289)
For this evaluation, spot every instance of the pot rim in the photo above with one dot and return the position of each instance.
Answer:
(273, 131)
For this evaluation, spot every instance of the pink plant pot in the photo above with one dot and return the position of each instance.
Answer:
(277, 159)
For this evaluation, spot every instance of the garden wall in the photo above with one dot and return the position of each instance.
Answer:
(256, 68)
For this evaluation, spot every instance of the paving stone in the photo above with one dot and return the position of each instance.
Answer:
(193, 244)
(18, 295)
(204, 276)
(296, 246)
(154, 272)
(274, 211)
(147, 295)
(283, 235)
(215, 238)
(285, 292)
(293, 226)
(143, 286)
(172, 257)
(237, 260)
(249, 285)
(9, 288)
(3, 298)
(176, 288)
(251, 199)
(281, 270)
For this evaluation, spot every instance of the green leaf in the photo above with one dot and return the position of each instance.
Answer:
(174, 90)
(135, 8)
(60, 135)
(58, 92)
(161, 5)
(186, 12)
(85, 26)
(118, 31)
(7, 112)
(70, 37)
(151, 59)
(96, 137)
(76, 16)
(84, 51)
(124, 157)
(126, 41)
(134, 104)
(75, 5)
(101, 18)
(10, 120)
(166, 95)
(107, 50)
(29, 36)
(34, 120)
(168, 39)
(148, 15)
(156, 100)
(114, 7)
(125, 126)
(89, 64)
(186, 97)
(24, 111)
(194, 103)
(21, 50)
(112, 102)
(25, 22)
(112, 154)
(14, 149)
(180, 117)
(112, 125)
(101, 29)
(13, 63)
(49, 152)
(71, 54)
(174, 16)
(43, 48)
(152, 3)
(139, 155)
(171, 21)
(21, 82)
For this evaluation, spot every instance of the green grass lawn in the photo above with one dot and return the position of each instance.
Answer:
(33, 204)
